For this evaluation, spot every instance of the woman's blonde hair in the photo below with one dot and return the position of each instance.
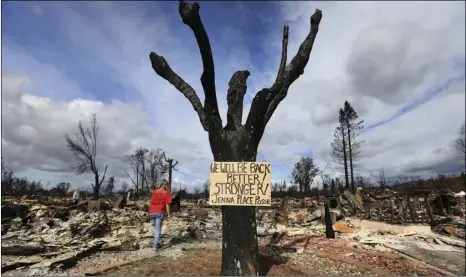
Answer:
(163, 185)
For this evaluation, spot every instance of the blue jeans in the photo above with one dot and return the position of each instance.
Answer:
(157, 220)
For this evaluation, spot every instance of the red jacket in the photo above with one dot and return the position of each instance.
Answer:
(159, 199)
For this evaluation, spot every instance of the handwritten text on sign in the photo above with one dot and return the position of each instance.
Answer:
(240, 183)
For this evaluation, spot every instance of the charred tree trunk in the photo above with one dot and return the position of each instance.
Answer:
(170, 176)
(96, 188)
(240, 249)
(239, 234)
(235, 141)
(98, 183)
(345, 156)
(137, 182)
(350, 157)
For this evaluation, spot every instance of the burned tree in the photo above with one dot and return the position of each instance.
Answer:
(235, 141)
(108, 189)
(7, 181)
(382, 180)
(304, 173)
(137, 162)
(156, 166)
(148, 168)
(141, 157)
(353, 128)
(84, 148)
(61, 188)
(460, 141)
(325, 180)
(340, 145)
(345, 147)
(333, 187)
(206, 188)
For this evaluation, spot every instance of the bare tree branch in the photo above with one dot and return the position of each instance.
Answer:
(162, 68)
(296, 67)
(189, 13)
(157, 168)
(134, 162)
(236, 91)
(84, 148)
(103, 176)
(263, 98)
(167, 160)
(134, 183)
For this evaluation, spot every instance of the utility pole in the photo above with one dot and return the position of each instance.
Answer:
(171, 166)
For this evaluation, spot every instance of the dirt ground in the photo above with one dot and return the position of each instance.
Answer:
(341, 260)
(195, 262)
(294, 245)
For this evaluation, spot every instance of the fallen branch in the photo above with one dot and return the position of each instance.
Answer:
(68, 259)
(20, 250)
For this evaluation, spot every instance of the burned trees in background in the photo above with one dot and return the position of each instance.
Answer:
(61, 189)
(156, 166)
(279, 189)
(13, 186)
(84, 149)
(346, 148)
(124, 187)
(304, 173)
(109, 187)
(353, 128)
(326, 180)
(382, 180)
(148, 168)
(206, 188)
(134, 162)
(7, 181)
(339, 146)
(460, 142)
(235, 141)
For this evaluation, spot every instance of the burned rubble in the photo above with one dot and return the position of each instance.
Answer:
(55, 235)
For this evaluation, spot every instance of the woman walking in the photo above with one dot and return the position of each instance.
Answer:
(159, 201)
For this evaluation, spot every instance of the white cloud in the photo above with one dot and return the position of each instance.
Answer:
(33, 132)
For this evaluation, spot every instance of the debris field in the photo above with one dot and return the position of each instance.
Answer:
(376, 234)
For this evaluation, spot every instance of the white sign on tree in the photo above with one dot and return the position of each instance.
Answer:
(240, 184)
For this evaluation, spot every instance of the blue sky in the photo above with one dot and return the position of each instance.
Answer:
(50, 41)
(84, 57)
